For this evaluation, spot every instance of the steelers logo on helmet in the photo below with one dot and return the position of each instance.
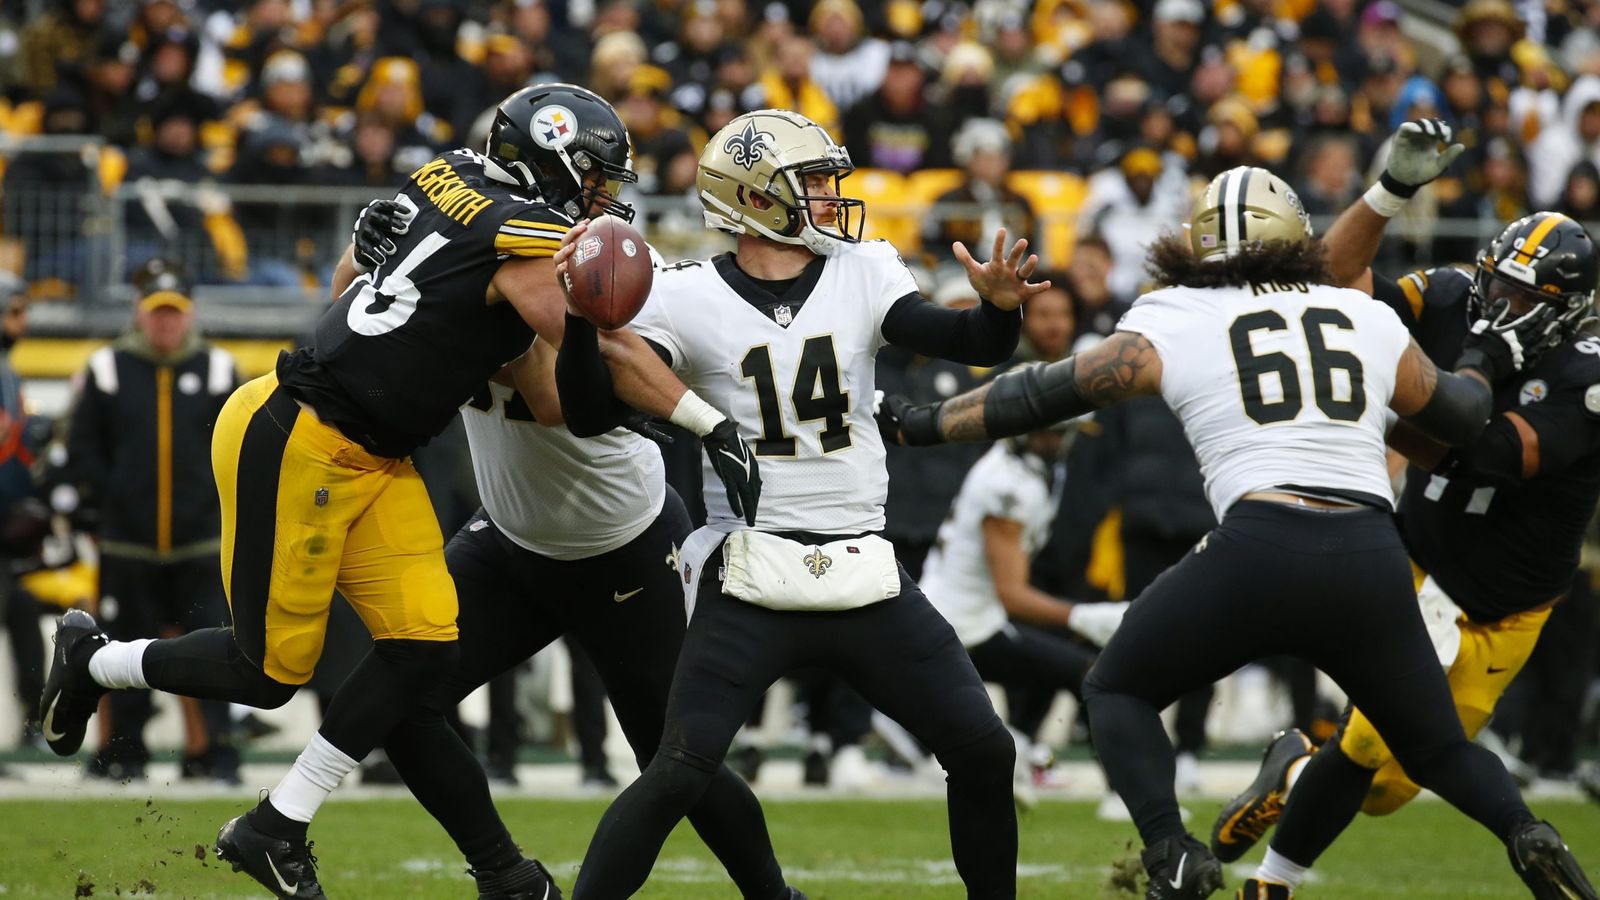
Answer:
(554, 127)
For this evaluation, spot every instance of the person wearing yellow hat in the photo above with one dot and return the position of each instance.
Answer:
(138, 453)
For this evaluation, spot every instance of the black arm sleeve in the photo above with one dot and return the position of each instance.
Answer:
(984, 335)
(1033, 398)
(583, 382)
(1458, 410)
(1496, 455)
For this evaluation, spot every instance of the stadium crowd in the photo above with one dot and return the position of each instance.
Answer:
(1084, 125)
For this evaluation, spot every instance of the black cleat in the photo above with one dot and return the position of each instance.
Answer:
(795, 894)
(528, 879)
(1247, 816)
(1256, 889)
(286, 868)
(1546, 865)
(70, 695)
(1180, 868)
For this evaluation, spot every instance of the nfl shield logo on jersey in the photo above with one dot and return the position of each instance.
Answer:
(783, 315)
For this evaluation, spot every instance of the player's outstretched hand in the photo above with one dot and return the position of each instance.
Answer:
(1421, 151)
(733, 462)
(379, 223)
(563, 256)
(1003, 280)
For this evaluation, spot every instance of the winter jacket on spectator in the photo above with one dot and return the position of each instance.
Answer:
(139, 446)
(1562, 145)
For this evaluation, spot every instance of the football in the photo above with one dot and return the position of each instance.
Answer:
(609, 275)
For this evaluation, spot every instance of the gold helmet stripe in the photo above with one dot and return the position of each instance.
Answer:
(1530, 244)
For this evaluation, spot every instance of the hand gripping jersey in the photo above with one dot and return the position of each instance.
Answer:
(1496, 542)
(1279, 386)
(956, 577)
(404, 346)
(557, 495)
(801, 392)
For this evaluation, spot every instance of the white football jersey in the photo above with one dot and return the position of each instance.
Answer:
(1277, 386)
(801, 392)
(557, 495)
(1005, 485)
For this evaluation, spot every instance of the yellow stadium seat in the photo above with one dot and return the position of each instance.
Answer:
(923, 187)
(1055, 198)
(888, 215)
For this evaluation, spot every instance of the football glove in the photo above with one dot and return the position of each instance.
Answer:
(1096, 621)
(1416, 157)
(644, 426)
(376, 227)
(733, 462)
(902, 422)
(1498, 348)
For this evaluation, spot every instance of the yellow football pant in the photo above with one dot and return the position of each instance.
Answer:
(1489, 658)
(305, 510)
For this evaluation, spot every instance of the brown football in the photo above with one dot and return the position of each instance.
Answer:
(610, 273)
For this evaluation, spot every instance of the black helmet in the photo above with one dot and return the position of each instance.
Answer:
(567, 143)
(1541, 269)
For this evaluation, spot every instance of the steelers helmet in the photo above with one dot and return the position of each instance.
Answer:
(1540, 271)
(753, 175)
(567, 143)
(1243, 208)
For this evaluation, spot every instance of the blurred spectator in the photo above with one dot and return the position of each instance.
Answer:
(138, 448)
(1379, 32)
(40, 197)
(259, 33)
(848, 64)
(372, 161)
(612, 63)
(451, 86)
(21, 443)
(1496, 193)
(1088, 279)
(788, 84)
(165, 218)
(1227, 141)
(895, 128)
(1463, 98)
(964, 87)
(1174, 42)
(108, 77)
(1562, 145)
(1581, 198)
(61, 39)
(702, 38)
(1331, 179)
(1488, 30)
(659, 139)
(562, 53)
(393, 94)
(983, 203)
(1130, 205)
(168, 70)
(1048, 325)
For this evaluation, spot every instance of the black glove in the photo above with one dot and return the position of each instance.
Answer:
(1499, 349)
(376, 227)
(902, 422)
(644, 426)
(733, 462)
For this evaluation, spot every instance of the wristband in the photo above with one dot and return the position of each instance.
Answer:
(919, 425)
(1384, 201)
(695, 414)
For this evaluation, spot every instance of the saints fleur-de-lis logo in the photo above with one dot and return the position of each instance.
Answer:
(817, 563)
(747, 146)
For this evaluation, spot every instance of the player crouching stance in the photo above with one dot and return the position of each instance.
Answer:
(781, 335)
(1282, 382)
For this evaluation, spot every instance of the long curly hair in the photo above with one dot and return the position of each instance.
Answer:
(1172, 264)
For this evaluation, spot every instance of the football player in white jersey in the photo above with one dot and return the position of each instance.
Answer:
(1283, 384)
(781, 335)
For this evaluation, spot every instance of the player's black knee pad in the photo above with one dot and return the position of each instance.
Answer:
(680, 774)
(993, 754)
(262, 691)
(423, 661)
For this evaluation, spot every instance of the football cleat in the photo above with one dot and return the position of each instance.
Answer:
(1546, 866)
(1247, 816)
(528, 879)
(1180, 868)
(70, 695)
(286, 868)
(1256, 889)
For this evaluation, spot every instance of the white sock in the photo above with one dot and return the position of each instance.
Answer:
(1295, 768)
(120, 664)
(316, 773)
(1277, 867)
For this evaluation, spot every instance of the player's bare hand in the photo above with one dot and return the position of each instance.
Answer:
(563, 255)
(1003, 280)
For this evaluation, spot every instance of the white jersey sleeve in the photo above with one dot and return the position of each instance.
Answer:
(956, 576)
(889, 279)
(1281, 386)
(654, 323)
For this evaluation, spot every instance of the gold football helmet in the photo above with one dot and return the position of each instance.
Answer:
(753, 175)
(1243, 207)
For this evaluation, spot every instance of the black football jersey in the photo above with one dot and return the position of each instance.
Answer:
(404, 346)
(1496, 542)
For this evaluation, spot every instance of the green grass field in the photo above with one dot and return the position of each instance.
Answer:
(834, 849)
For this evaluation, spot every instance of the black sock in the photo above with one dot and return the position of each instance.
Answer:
(1137, 756)
(266, 818)
(1326, 796)
(207, 664)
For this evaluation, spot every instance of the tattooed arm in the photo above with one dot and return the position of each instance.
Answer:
(1028, 399)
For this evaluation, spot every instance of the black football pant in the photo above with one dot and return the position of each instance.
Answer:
(1333, 587)
(1033, 665)
(513, 603)
(1144, 557)
(900, 654)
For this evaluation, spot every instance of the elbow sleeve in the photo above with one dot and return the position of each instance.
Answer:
(1458, 410)
(1033, 398)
